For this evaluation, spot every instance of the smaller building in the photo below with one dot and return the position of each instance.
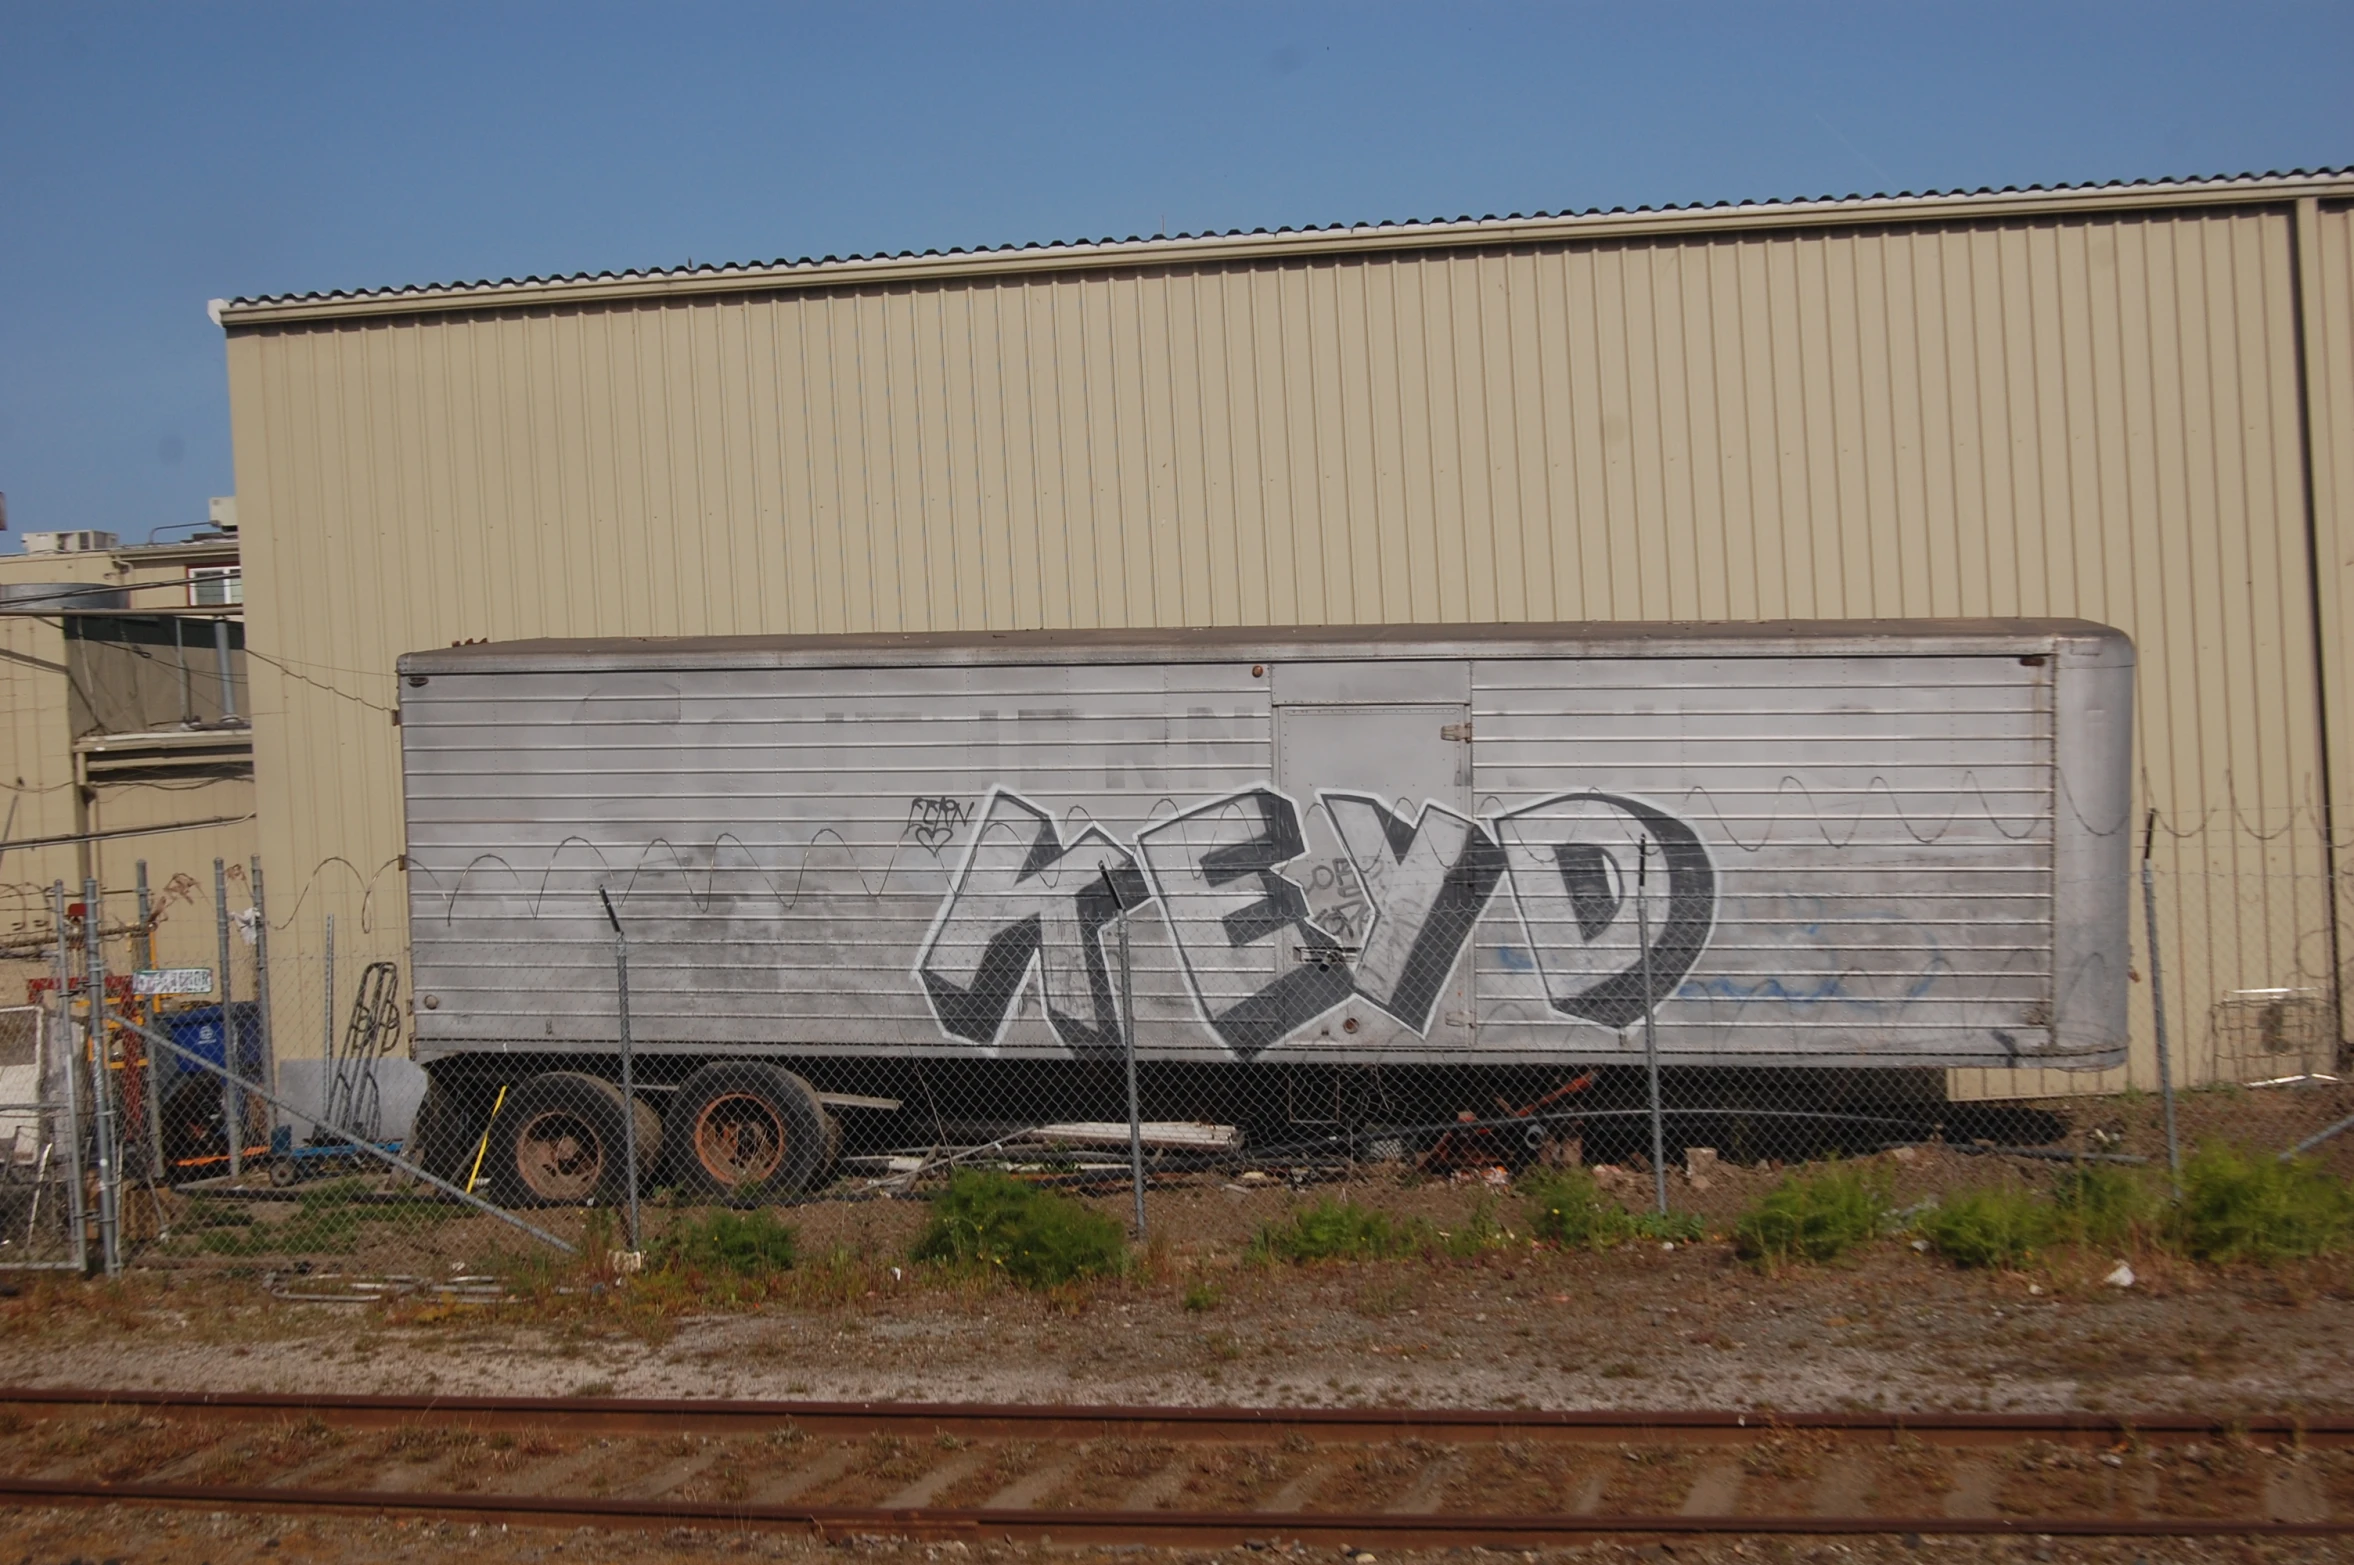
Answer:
(125, 737)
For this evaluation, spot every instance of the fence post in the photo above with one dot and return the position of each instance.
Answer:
(110, 1244)
(2149, 902)
(232, 1105)
(629, 1099)
(261, 978)
(1128, 1048)
(1650, 1024)
(161, 1174)
(76, 1213)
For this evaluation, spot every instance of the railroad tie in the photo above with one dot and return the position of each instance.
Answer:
(1025, 1492)
(935, 1483)
(546, 1477)
(2291, 1495)
(1976, 1482)
(673, 1474)
(1847, 1477)
(1716, 1491)
(1160, 1487)
(1421, 1497)
(795, 1481)
(1297, 1491)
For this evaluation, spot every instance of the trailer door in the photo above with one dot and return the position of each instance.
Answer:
(1333, 731)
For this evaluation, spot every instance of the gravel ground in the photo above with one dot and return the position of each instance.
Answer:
(1643, 1326)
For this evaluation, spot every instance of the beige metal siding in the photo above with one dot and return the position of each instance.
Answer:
(2084, 414)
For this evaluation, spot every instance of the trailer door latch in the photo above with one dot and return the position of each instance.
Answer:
(1455, 733)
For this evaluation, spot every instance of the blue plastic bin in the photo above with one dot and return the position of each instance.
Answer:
(198, 1030)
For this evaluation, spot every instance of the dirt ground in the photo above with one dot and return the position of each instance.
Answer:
(1200, 1322)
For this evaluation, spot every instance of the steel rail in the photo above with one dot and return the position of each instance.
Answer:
(1081, 1526)
(1341, 1425)
(1326, 1426)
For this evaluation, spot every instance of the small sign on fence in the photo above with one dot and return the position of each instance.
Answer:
(172, 980)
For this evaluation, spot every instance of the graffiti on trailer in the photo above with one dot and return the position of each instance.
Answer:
(1025, 905)
(932, 821)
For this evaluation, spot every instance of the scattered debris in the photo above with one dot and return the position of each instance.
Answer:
(1191, 1134)
(306, 1287)
(1700, 1165)
(2122, 1277)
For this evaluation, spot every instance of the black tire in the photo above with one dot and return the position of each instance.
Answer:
(192, 1127)
(447, 1129)
(745, 1133)
(558, 1140)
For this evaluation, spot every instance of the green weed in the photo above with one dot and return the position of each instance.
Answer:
(1339, 1231)
(746, 1243)
(1569, 1208)
(2001, 1225)
(2105, 1207)
(2237, 1207)
(1678, 1227)
(1478, 1233)
(1037, 1237)
(1202, 1296)
(1812, 1217)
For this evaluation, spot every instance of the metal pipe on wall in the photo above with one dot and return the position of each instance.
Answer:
(232, 1105)
(261, 976)
(228, 679)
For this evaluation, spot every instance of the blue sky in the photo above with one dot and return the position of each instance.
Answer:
(154, 157)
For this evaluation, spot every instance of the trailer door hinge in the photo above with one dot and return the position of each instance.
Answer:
(1455, 733)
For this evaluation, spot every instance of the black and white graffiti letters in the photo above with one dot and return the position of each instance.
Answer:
(932, 821)
(1427, 882)
(1574, 863)
(1217, 870)
(1025, 898)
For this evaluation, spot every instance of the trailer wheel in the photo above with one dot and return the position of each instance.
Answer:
(558, 1142)
(447, 1129)
(748, 1132)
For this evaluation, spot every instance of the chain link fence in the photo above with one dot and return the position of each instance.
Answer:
(270, 1113)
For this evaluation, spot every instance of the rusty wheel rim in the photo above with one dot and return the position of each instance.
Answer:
(739, 1139)
(559, 1156)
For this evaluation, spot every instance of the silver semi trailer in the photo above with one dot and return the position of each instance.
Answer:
(1365, 874)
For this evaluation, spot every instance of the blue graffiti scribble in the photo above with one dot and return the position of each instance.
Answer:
(1831, 990)
(1516, 959)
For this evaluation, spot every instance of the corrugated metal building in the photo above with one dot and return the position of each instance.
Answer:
(2130, 403)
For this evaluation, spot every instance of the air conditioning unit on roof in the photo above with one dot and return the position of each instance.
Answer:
(87, 541)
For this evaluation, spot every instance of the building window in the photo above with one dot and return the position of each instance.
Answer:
(211, 586)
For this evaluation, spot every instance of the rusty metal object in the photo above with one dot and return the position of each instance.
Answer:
(1339, 1425)
(1075, 1526)
(1192, 1427)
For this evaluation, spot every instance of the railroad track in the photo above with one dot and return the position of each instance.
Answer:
(1368, 1478)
